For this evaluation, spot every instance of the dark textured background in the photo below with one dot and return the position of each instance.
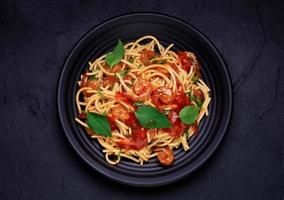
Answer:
(36, 160)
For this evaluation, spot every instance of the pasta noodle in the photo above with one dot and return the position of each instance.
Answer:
(152, 75)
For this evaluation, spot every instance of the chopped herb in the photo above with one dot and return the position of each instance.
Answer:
(93, 77)
(99, 91)
(131, 60)
(123, 73)
(186, 133)
(197, 100)
(194, 79)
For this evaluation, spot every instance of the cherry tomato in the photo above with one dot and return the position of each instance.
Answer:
(177, 126)
(146, 56)
(143, 89)
(94, 84)
(139, 133)
(177, 129)
(138, 138)
(116, 68)
(163, 95)
(132, 121)
(156, 100)
(184, 60)
(181, 100)
(137, 141)
(166, 156)
(129, 143)
(120, 112)
(109, 80)
(172, 116)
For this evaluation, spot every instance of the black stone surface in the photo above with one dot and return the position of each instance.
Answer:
(36, 160)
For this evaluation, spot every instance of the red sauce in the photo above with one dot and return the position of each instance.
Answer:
(184, 60)
(122, 96)
(199, 94)
(111, 120)
(138, 138)
(146, 57)
(82, 115)
(177, 126)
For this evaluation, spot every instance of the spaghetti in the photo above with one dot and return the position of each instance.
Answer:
(151, 75)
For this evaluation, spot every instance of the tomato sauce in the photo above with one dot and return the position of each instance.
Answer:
(184, 60)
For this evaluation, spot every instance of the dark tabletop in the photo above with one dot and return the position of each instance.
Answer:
(36, 160)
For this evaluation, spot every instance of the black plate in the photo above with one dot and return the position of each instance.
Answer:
(102, 39)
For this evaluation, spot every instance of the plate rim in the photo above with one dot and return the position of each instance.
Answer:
(133, 14)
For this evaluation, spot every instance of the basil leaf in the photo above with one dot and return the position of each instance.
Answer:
(189, 114)
(116, 55)
(99, 124)
(199, 102)
(150, 117)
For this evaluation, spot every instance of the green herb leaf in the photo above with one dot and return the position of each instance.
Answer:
(196, 99)
(131, 60)
(194, 79)
(189, 114)
(150, 117)
(92, 77)
(185, 133)
(99, 124)
(199, 102)
(123, 73)
(99, 91)
(116, 55)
